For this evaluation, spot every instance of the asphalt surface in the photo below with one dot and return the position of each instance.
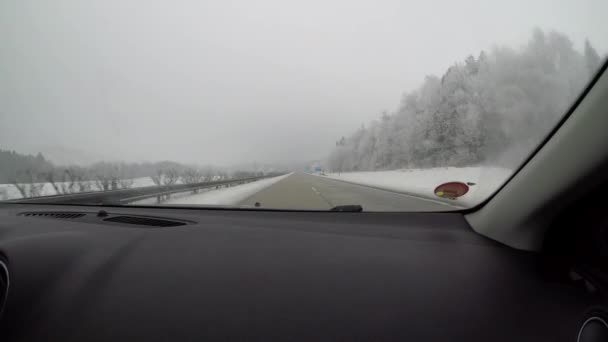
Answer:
(309, 192)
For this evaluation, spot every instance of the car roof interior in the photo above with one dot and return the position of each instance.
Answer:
(527, 264)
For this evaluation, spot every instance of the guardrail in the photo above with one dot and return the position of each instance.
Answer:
(125, 196)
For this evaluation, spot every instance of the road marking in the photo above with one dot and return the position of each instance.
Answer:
(321, 195)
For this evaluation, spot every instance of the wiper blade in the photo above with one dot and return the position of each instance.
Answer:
(352, 208)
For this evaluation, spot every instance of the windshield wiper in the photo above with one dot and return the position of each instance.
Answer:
(352, 208)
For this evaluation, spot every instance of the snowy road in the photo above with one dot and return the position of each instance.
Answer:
(304, 191)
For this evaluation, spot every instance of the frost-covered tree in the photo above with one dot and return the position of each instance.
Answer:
(489, 109)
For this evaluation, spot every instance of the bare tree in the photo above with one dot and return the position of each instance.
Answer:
(84, 186)
(157, 178)
(208, 173)
(22, 188)
(105, 176)
(125, 177)
(50, 178)
(67, 183)
(70, 178)
(126, 183)
(102, 182)
(192, 176)
(222, 175)
(27, 183)
(83, 181)
(36, 189)
(108, 176)
(171, 176)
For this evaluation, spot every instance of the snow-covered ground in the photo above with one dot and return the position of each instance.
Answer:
(227, 196)
(422, 182)
(9, 191)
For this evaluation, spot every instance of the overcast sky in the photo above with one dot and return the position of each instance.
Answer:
(228, 82)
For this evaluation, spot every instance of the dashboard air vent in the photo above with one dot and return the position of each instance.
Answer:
(144, 221)
(54, 215)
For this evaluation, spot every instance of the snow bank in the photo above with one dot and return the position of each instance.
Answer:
(228, 196)
(422, 182)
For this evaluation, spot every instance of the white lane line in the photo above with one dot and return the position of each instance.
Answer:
(321, 195)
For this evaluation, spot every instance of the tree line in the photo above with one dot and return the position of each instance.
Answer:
(31, 173)
(493, 109)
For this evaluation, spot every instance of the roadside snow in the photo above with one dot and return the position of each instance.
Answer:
(228, 196)
(422, 182)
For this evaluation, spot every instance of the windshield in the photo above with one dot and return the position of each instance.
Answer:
(312, 105)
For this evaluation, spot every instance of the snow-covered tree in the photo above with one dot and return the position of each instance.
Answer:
(494, 109)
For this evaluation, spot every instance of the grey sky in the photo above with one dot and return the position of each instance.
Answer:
(239, 81)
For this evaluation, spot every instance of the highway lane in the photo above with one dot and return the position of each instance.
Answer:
(304, 191)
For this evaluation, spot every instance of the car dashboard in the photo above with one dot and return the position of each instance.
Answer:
(124, 273)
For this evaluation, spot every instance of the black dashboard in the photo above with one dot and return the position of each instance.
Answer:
(80, 273)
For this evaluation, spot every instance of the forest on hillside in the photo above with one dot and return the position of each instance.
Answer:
(493, 108)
